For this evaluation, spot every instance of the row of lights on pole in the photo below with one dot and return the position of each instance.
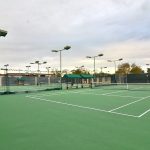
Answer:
(47, 68)
(60, 59)
(100, 55)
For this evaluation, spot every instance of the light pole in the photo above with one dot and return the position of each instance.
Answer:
(148, 73)
(7, 79)
(65, 48)
(3, 33)
(80, 68)
(48, 71)
(38, 71)
(28, 68)
(99, 55)
(102, 69)
(147, 66)
(114, 61)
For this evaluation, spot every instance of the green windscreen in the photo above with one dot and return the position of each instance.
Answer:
(16, 84)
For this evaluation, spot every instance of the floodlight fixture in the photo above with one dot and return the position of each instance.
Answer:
(80, 66)
(67, 47)
(37, 62)
(100, 55)
(6, 65)
(88, 57)
(28, 67)
(3, 33)
(120, 59)
(109, 60)
(55, 51)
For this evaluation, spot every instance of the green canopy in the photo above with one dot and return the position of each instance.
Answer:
(21, 79)
(72, 76)
(86, 76)
(77, 76)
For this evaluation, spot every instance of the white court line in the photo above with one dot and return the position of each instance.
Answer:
(105, 95)
(48, 94)
(79, 106)
(112, 92)
(129, 103)
(144, 113)
(135, 88)
(83, 93)
(124, 96)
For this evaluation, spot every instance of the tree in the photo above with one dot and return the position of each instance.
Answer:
(123, 69)
(136, 69)
(80, 71)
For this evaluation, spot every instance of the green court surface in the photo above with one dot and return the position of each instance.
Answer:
(83, 119)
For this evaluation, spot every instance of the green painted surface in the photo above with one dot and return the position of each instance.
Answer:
(33, 124)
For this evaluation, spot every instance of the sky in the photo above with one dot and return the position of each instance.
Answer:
(116, 28)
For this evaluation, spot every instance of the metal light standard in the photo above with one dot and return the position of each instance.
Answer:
(99, 55)
(3, 33)
(148, 73)
(114, 61)
(65, 48)
(147, 66)
(80, 68)
(38, 71)
(7, 79)
(48, 71)
(28, 68)
(102, 69)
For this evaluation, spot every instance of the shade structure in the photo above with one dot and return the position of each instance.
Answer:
(72, 76)
(86, 76)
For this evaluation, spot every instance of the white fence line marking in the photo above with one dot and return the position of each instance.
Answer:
(129, 103)
(144, 113)
(79, 106)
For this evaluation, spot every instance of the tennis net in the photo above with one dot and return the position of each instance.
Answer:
(122, 86)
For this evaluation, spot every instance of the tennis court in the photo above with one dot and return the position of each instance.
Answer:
(74, 119)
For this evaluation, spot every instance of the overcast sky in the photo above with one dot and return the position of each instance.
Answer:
(116, 28)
